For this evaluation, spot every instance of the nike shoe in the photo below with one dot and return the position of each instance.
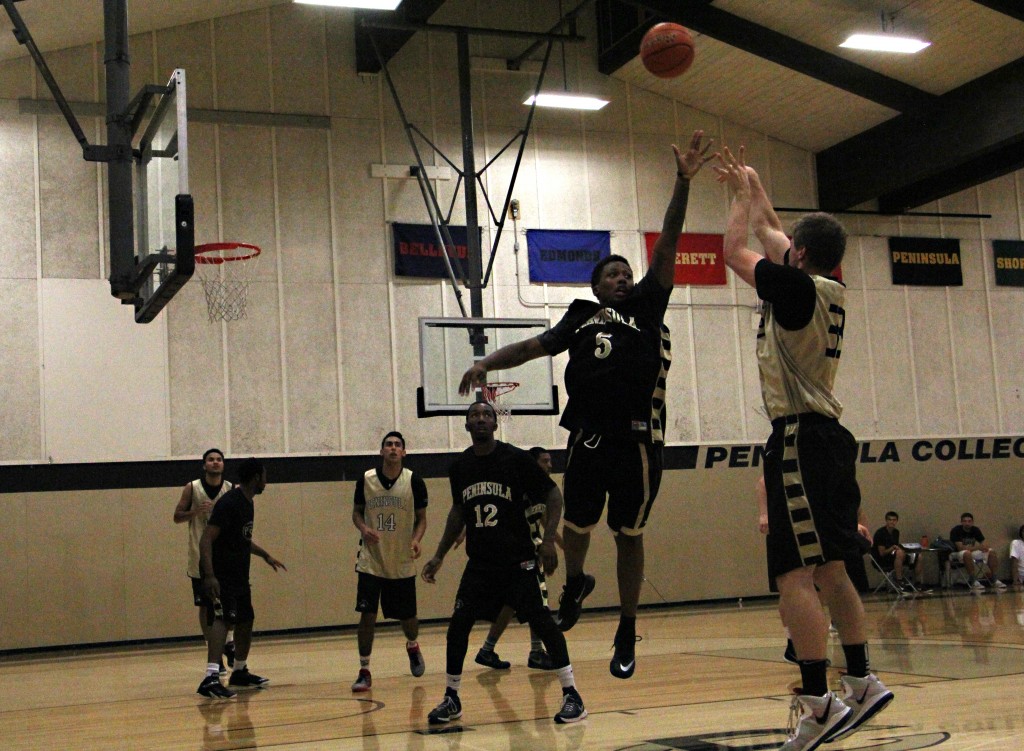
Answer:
(245, 679)
(572, 709)
(813, 720)
(570, 604)
(489, 659)
(976, 585)
(865, 697)
(449, 709)
(212, 688)
(624, 659)
(539, 660)
(363, 682)
(416, 663)
(998, 584)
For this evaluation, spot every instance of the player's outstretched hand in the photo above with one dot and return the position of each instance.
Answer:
(274, 563)
(475, 376)
(430, 570)
(689, 162)
(733, 172)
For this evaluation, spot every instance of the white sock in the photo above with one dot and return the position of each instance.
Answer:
(239, 664)
(454, 682)
(212, 668)
(565, 677)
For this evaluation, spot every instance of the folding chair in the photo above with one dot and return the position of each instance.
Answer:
(888, 581)
(954, 573)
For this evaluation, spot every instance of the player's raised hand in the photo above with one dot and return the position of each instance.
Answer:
(689, 162)
(732, 170)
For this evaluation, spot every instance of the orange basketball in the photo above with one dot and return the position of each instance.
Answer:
(667, 50)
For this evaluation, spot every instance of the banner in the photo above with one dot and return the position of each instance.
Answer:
(565, 255)
(925, 261)
(699, 258)
(418, 254)
(1009, 261)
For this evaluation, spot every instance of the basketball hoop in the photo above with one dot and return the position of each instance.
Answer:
(492, 393)
(225, 270)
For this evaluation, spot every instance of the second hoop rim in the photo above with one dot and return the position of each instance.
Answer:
(202, 250)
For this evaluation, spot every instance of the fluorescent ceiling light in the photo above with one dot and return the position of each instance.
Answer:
(368, 4)
(568, 101)
(884, 43)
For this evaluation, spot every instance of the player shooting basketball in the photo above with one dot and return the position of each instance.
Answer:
(618, 360)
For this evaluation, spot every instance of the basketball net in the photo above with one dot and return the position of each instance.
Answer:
(493, 393)
(225, 269)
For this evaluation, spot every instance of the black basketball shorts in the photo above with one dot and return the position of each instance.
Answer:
(813, 496)
(395, 597)
(483, 592)
(625, 471)
(235, 602)
(198, 597)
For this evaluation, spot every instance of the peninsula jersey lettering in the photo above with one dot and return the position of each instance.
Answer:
(619, 358)
(497, 494)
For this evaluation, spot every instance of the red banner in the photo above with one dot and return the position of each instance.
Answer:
(698, 258)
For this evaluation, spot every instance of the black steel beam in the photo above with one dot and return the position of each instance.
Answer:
(974, 135)
(701, 17)
(389, 41)
(1012, 8)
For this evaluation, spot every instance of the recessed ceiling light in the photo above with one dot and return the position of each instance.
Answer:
(568, 101)
(884, 43)
(366, 4)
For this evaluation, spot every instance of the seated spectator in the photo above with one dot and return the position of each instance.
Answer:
(973, 554)
(886, 550)
(1017, 558)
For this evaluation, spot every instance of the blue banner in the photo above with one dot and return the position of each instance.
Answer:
(418, 254)
(566, 255)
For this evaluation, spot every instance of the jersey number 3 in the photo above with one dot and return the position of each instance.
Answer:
(838, 316)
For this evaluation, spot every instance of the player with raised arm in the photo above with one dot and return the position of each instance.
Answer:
(810, 459)
(619, 357)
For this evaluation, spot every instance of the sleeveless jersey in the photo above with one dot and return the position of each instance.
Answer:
(197, 524)
(798, 368)
(391, 513)
(619, 358)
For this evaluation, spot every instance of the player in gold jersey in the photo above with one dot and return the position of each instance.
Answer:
(810, 458)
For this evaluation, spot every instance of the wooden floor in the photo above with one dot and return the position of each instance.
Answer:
(707, 678)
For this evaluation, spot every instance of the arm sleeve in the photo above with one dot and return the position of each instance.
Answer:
(419, 491)
(654, 297)
(359, 499)
(558, 338)
(790, 291)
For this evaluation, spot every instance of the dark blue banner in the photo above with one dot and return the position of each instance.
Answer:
(566, 255)
(418, 254)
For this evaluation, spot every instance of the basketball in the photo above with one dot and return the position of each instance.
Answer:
(667, 50)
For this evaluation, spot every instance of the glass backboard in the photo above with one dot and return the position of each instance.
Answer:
(447, 351)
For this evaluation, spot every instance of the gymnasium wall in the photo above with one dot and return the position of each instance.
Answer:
(325, 363)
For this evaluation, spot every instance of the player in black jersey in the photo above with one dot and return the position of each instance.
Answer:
(810, 458)
(618, 360)
(493, 487)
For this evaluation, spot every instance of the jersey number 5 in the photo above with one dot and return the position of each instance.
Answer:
(487, 515)
(604, 346)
